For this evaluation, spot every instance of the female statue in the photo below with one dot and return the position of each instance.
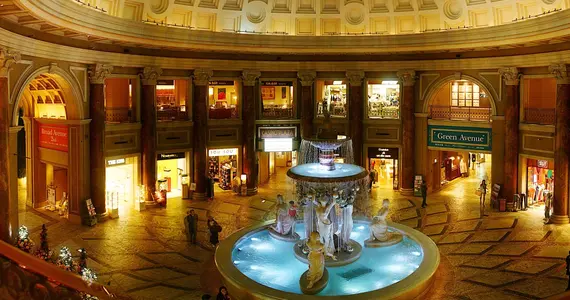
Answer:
(283, 221)
(325, 226)
(379, 227)
(316, 259)
(346, 227)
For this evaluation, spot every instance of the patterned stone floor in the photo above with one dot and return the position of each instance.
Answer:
(499, 256)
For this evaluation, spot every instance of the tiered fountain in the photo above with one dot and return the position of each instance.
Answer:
(269, 261)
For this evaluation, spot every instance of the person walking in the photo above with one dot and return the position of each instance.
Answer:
(423, 190)
(371, 179)
(191, 221)
(482, 191)
(215, 229)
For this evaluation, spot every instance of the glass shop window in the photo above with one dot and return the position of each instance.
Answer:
(332, 96)
(277, 100)
(383, 99)
(223, 100)
(465, 94)
(119, 106)
(172, 100)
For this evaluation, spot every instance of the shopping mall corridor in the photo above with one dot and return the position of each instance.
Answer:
(146, 254)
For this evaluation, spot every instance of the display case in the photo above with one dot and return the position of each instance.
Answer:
(139, 199)
(113, 204)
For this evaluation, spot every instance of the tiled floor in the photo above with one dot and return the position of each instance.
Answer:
(500, 256)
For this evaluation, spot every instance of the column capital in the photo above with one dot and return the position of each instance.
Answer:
(150, 75)
(250, 77)
(202, 76)
(355, 77)
(407, 77)
(560, 72)
(510, 75)
(8, 58)
(99, 72)
(307, 77)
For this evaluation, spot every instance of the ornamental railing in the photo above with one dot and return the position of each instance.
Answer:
(480, 114)
(542, 116)
(171, 114)
(24, 276)
(119, 115)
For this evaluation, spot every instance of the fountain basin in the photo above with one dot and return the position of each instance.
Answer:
(315, 172)
(253, 265)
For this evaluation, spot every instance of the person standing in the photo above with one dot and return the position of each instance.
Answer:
(223, 294)
(192, 226)
(423, 190)
(372, 178)
(215, 229)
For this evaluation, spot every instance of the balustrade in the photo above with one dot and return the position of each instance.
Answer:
(543, 116)
(460, 113)
(118, 115)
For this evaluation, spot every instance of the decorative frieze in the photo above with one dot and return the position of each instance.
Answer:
(510, 75)
(150, 75)
(7, 59)
(307, 77)
(99, 72)
(202, 76)
(407, 77)
(250, 77)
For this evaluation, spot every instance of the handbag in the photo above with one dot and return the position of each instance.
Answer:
(478, 192)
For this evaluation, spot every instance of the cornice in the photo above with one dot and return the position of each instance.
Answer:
(66, 14)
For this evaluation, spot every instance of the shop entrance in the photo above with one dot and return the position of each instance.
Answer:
(275, 163)
(540, 180)
(223, 169)
(172, 173)
(53, 179)
(122, 178)
(384, 165)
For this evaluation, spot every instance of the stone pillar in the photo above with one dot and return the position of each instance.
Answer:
(307, 106)
(511, 160)
(200, 113)
(148, 130)
(562, 144)
(356, 113)
(408, 80)
(8, 220)
(97, 75)
(249, 162)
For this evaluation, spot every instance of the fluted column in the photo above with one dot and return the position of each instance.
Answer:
(201, 79)
(97, 75)
(307, 79)
(149, 77)
(249, 161)
(408, 80)
(562, 144)
(356, 113)
(511, 79)
(8, 207)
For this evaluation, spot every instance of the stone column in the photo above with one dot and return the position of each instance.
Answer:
(97, 75)
(200, 136)
(249, 161)
(148, 130)
(511, 160)
(408, 80)
(307, 106)
(356, 113)
(562, 144)
(8, 219)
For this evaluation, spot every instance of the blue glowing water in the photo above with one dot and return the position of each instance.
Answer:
(272, 263)
(315, 170)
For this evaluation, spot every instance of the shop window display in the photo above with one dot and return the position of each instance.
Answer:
(119, 100)
(171, 168)
(332, 96)
(277, 100)
(383, 100)
(171, 99)
(222, 167)
(540, 180)
(223, 100)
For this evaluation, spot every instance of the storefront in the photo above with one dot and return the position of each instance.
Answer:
(331, 95)
(172, 98)
(385, 164)
(223, 168)
(122, 182)
(278, 147)
(278, 99)
(172, 173)
(383, 99)
(223, 100)
(540, 179)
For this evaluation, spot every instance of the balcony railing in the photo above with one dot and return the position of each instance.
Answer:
(119, 115)
(171, 114)
(389, 112)
(270, 112)
(482, 114)
(542, 116)
(24, 276)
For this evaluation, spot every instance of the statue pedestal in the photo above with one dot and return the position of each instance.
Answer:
(317, 287)
(286, 238)
(394, 238)
(342, 258)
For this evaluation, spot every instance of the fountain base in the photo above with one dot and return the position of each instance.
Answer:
(342, 258)
(286, 238)
(317, 287)
(392, 240)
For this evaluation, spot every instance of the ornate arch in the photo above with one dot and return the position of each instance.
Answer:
(435, 86)
(72, 91)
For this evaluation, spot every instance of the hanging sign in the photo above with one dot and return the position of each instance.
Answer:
(387, 153)
(455, 137)
(116, 162)
(221, 82)
(278, 145)
(277, 132)
(223, 152)
(176, 155)
(54, 137)
(277, 83)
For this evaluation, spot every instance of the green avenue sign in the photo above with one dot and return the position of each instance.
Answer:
(467, 138)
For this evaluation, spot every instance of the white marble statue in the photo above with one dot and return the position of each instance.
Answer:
(324, 225)
(316, 259)
(347, 225)
(379, 226)
(283, 221)
(308, 214)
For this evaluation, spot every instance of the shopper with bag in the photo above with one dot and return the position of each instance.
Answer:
(214, 228)
(482, 192)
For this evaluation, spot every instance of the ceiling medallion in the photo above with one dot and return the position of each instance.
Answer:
(452, 9)
(256, 15)
(354, 16)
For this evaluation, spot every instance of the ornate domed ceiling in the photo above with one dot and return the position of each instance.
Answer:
(328, 17)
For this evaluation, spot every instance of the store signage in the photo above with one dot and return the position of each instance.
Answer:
(542, 163)
(277, 83)
(54, 137)
(176, 155)
(115, 162)
(165, 82)
(387, 153)
(221, 82)
(278, 145)
(277, 132)
(469, 138)
(223, 152)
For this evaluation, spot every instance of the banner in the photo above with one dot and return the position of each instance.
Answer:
(467, 138)
(54, 137)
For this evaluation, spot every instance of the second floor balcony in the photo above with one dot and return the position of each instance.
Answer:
(455, 113)
(119, 115)
(541, 116)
